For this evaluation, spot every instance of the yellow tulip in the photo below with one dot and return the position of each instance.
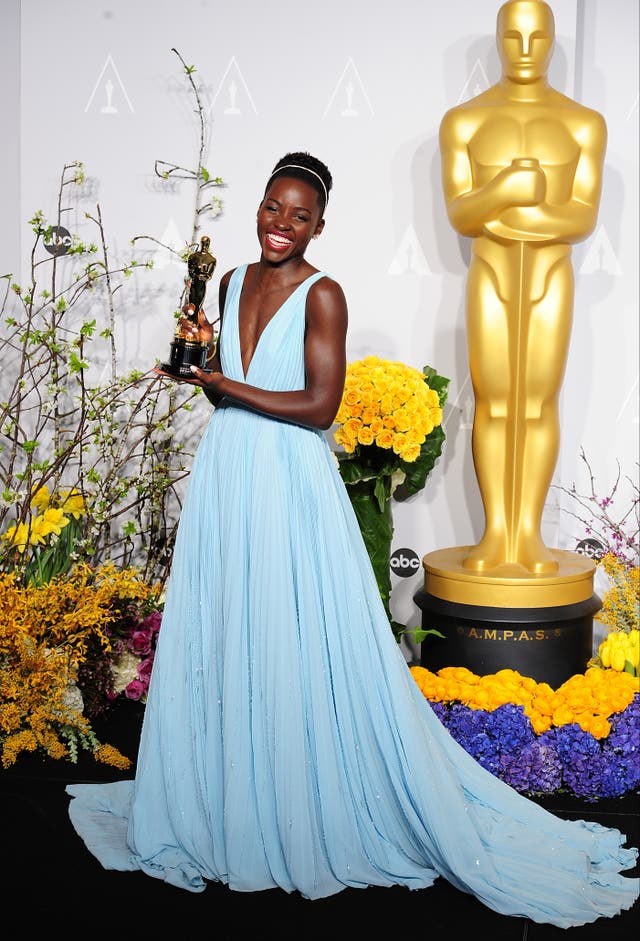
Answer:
(604, 652)
(618, 658)
(633, 647)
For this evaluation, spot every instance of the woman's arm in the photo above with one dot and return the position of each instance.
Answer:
(213, 358)
(325, 364)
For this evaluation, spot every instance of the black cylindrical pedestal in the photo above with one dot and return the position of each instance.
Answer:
(549, 644)
(183, 355)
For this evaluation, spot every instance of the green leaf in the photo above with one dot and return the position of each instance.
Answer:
(439, 384)
(76, 364)
(376, 526)
(29, 446)
(398, 629)
(417, 471)
(353, 471)
(418, 634)
(367, 463)
(382, 491)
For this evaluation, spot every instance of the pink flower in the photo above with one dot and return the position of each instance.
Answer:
(152, 621)
(140, 642)
(144, 670)
(136, 689)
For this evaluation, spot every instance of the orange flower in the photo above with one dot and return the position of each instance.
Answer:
(586, 699)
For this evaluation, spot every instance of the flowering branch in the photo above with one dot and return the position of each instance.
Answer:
(616, 536)
(200, 176)
(114, 442)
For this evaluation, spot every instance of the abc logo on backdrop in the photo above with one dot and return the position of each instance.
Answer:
(59, 241)
(592, 548)
(405, 562)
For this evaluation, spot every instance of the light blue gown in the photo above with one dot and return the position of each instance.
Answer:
(285, 742)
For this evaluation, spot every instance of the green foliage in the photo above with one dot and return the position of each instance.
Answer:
(416, 473)
(72, 418)
(373, 476)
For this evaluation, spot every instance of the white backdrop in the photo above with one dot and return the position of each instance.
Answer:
(364, 85)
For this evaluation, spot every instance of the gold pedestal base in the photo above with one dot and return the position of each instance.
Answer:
(508, 585)
(539, 625)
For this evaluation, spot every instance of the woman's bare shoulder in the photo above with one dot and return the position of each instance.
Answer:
(326, 298)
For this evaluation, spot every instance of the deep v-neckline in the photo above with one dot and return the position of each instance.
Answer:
(245, 372)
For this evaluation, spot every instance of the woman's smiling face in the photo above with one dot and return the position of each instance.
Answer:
(288, 218)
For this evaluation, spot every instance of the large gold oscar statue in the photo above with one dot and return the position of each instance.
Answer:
(522, 171)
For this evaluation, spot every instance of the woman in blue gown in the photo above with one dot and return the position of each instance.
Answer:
(285, 742)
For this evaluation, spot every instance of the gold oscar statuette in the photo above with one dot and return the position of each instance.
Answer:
(522, 176)
(186, 351)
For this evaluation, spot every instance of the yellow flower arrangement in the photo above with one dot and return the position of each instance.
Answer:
(614, 537)
(45, 634)
(621, 603)
(620, 651)
(48, 534)
(581, 737)
(390, 431)
(587, 699)
(389, 405)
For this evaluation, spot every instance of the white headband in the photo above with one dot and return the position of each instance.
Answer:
(296, 166)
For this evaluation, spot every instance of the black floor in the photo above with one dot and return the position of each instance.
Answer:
(52, 881)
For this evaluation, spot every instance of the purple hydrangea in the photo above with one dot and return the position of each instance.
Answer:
(510, 727)
(441, 710)
(624, 737)
(468, 727)
(534, 769)
(563, 758)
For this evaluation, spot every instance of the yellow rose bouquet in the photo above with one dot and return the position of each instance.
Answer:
(390, 429)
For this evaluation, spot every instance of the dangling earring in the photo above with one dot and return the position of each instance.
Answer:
(317, 235)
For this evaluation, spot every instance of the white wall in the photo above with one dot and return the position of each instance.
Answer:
(364, 85)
